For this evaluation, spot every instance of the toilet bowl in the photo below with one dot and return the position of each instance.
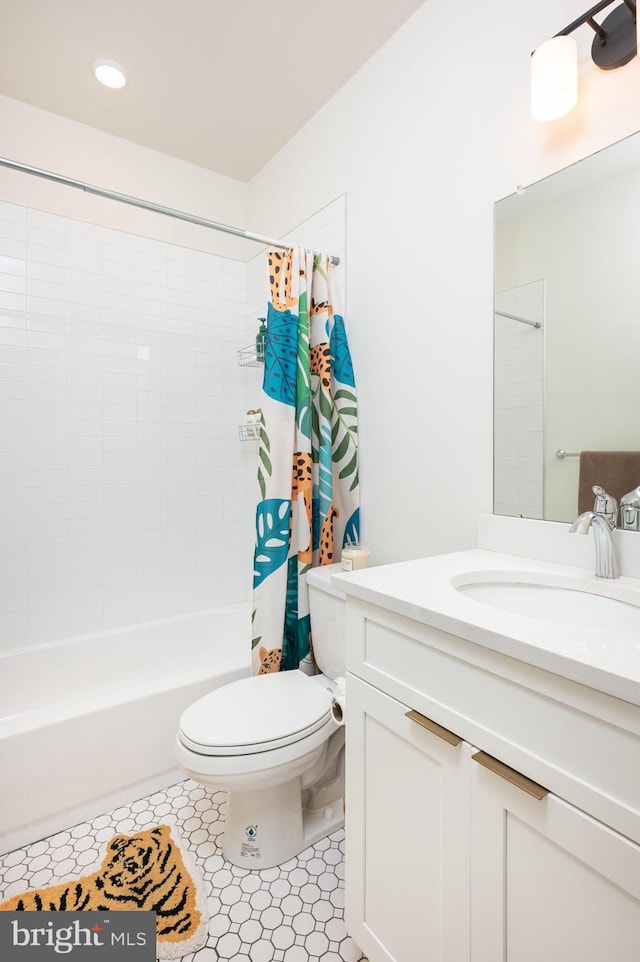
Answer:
(273, 743)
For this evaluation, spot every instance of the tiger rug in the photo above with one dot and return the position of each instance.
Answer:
(142, 871)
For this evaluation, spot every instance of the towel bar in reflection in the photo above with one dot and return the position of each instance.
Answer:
(561, 454)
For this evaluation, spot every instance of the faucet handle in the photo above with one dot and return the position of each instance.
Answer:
(605, 505)
(630, 510)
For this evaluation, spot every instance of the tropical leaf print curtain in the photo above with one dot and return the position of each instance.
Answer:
(308, 455)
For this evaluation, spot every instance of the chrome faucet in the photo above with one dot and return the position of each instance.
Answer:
(603, 521)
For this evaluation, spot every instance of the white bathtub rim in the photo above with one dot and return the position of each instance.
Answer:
(107, 633)
(102, 665)
(31, 719)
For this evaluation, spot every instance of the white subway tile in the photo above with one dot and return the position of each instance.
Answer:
(84, 312)
(47, 324)
(42, 528)
(83, 427)
(83, 296)
(51, 427)
(84, 361)
(77, 461)
(91, 396)
(15, 213)
(13, 319)
(122, 610)
(52, 306)
(46, 495)
(12, 302)
(84, 509)
(13, 629)
(119, 332)
(85, 476)
(151, 312)
(85, 616)
(46, 461)
(12, 283)
(43, 410)
(88, 262)
(183, 326)
(118, 365)
(152, 605)
(13, 231)
(150, 246)
(79, 242)
(48, 512)
(115, 271)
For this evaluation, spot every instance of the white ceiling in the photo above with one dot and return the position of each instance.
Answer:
(220, 83)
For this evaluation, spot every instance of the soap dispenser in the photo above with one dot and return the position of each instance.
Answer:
(261, 337)
(630, 511)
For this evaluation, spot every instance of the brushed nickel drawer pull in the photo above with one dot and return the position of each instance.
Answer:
(434, 728)
(510, 774)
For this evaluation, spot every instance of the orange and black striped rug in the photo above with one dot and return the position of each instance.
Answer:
(146, 871)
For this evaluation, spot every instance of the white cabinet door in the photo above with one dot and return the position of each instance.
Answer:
(548, 883)
(407, 832)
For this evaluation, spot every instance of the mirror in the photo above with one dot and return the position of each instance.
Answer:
(567, 259)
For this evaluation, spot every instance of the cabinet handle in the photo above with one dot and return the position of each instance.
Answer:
(510, 774)
(433, 727)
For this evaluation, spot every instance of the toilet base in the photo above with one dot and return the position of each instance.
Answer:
(269, 827)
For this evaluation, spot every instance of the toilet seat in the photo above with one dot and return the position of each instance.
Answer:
(257, 714)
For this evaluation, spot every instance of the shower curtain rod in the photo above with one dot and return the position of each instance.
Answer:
(516, 317)
(146, 205)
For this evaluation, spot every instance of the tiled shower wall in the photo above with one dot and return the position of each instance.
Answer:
(519, 403)
(122, 479)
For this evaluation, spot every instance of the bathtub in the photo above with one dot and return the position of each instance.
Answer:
(90, 723)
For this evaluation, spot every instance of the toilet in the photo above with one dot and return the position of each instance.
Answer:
(276, 745)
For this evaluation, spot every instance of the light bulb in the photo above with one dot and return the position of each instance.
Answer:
(554, 78)
(110, 73)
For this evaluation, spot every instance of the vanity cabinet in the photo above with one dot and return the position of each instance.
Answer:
(408, 834)
(447, 859)
(547, 880)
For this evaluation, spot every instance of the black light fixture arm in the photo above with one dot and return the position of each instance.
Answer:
(614, 43)
(602, 33)
(590, 14)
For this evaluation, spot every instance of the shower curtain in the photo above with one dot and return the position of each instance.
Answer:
(308, 505)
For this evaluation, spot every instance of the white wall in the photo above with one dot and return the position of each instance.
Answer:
(423, 140)
(42, 139)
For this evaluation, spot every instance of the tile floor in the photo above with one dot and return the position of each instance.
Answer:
(291, 913)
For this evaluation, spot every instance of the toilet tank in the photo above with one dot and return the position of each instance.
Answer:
(327, 610)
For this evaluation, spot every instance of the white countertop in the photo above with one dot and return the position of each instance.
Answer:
(423, 590)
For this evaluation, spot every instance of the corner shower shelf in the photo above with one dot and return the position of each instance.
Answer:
(249, 432)
(250, 357)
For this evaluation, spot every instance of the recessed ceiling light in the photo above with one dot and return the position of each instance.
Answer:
(110, 73)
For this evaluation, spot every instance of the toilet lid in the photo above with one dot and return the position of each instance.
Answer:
(256, 714)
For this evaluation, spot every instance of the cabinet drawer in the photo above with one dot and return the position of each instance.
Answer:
(582, 745)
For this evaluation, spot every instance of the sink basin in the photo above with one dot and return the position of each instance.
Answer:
(559, 603)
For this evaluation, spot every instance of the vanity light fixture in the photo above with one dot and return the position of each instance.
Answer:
(109, 73)
(554, 65)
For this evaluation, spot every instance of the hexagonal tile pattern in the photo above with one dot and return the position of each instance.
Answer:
(290, 913)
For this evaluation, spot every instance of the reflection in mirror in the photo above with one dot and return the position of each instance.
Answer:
(567, 255)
